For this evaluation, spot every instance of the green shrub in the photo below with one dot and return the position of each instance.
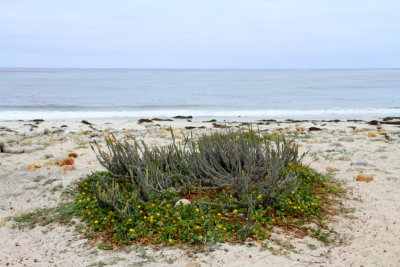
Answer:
(240, 185)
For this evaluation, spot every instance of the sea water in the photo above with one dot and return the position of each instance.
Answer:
(221, 94)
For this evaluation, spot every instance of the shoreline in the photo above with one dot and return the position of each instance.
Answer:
(239, 114)
(370, 233)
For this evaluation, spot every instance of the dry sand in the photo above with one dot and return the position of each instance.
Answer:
(369, 235)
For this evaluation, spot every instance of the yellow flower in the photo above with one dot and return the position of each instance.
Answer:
(235, 211)
(197, 210)
(167, 205)
(153, 205)
(105, 218)
(292, 192)
(225, 229)
(140, 211)
(131, 230)
(219, 214)
(219, 226)
(200, 237)
(80, 200)
(197, 227)
(83, 193)
(170, 240)
(158, 214)
(129, 220)
(259, 196)
(139, 206)
(145, 217)
(96, 221)
(88, 199)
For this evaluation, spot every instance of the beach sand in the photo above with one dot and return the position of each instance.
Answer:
(368, 234)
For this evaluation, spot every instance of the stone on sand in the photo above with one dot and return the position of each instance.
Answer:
(30, 186)
(373, 134)
(362, 177)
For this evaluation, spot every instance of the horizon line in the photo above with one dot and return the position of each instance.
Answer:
(136, 68)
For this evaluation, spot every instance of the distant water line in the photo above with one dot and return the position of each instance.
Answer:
(224, 94)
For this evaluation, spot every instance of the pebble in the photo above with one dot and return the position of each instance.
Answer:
(183, 202)
(73, 155)
(13, 150)
(347, 139)
(193, 264)
(362, 163)
(66, 161)
(30, 186)
(337, 144)
(382, 156)
(2, 222)
(331, 169)
(362, 177)
(48, 156)
(56, 184)
(38, 178)
(373, 134)
(393, 178)
(33, 167)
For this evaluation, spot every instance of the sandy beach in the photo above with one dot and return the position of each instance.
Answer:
(368, 232)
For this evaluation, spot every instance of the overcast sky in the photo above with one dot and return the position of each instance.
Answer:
(200, 33)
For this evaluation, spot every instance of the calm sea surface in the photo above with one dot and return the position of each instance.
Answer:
(228, 94)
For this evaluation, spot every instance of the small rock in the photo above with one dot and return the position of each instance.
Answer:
(2, 222)
(48, 156)
(30, 186)
(68, 168)
(13, 150)
(86, 122)
(347, 139)
(33, 167)
(382, 156)
(362, 163)
(73, 155)
(277, 133)
(56, 184)
(144, 120)
(393, 178)
(193, 264)
(362, 177)
(38, 178)
(66, 161)
(373, 134)
(314, 129)
(331, 169)
(183, 202)
(337, 144)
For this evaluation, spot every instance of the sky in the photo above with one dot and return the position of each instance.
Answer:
(200, 34)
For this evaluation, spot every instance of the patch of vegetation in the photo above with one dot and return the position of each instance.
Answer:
(62, 214)
(240, 186)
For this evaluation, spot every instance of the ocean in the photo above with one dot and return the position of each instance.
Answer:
(240, 95)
